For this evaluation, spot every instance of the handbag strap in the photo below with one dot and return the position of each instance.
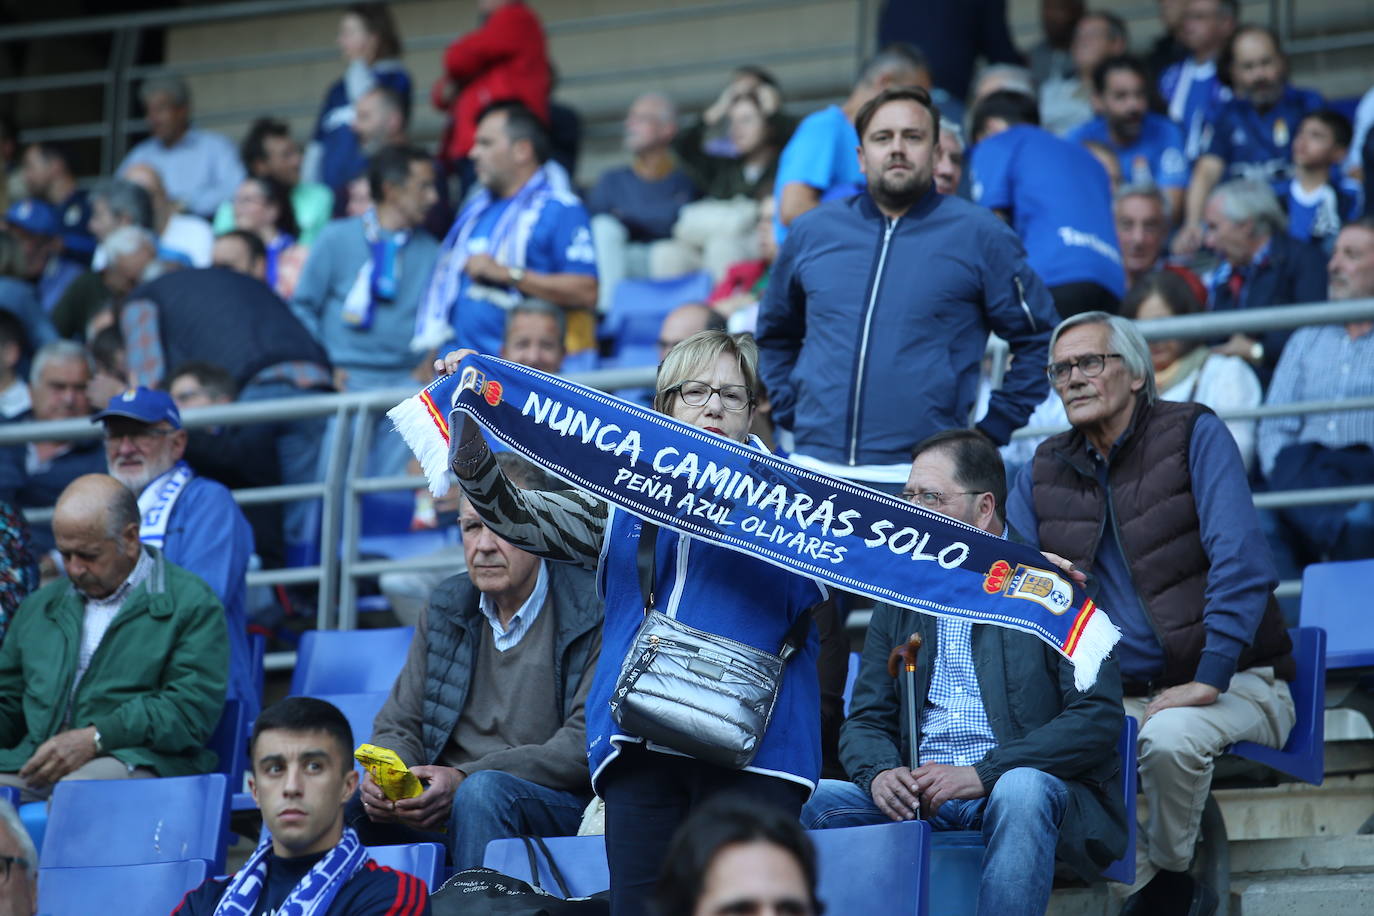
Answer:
(647, 560)
(530, 843)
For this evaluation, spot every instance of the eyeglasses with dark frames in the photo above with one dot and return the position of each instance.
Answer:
(695, 394)
(1090, 364)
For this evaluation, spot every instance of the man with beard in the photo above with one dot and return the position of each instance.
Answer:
(1148, 146)
(1252, 133)
(841, 327)
(192, 520)
(1055, 195)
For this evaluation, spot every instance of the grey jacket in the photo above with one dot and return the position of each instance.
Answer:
(428, 697)
(1039, 718)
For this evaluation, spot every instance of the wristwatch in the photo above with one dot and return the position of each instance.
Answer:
(516, 275)
(1257, 353)
(99, 748)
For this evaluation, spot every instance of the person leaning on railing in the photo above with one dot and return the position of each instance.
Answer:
(708, 381)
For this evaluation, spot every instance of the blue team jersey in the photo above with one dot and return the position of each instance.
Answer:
(1156, 157)
(1193, 94)
(1319, 214)
(1060, 202)
(558, 242)
(822, 153)
(1260, 146)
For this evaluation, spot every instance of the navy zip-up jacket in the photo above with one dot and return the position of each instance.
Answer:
(872, 330)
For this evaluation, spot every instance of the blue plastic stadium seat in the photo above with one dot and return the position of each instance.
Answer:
(1304, 754)
(349, 661)
(581, 860)
(137, 821)
(861, 869)
(957, 855)
(34, 817)
(154, 889)
(638, 309)
(1327, 591)
(230, 742)
(1123, 869)
(257, 652)
(11, 795)
(423, 860)
(387, 512)
(884, 868)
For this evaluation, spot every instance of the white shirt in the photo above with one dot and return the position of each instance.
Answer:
(14, 400)
(100, 613)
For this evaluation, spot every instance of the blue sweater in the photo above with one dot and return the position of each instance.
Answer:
(723, 592)
(1241, 574)
(339, 253)
(871, 332)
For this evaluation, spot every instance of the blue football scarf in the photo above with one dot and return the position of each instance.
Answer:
(311, 897)
(731, 494)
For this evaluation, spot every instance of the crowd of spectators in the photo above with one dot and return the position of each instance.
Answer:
(1056, 199)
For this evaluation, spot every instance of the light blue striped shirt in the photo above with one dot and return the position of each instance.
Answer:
(1320, 363)
(509, 637)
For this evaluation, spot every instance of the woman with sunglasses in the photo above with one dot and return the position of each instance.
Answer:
(709, 380)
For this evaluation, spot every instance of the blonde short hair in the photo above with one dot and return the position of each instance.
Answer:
(700, 350)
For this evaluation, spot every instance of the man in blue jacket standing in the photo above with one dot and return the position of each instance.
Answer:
(192, 520)
(877, 316)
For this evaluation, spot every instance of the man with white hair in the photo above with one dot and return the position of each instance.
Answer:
(126, 259)
(634, 206)
(34, 474)
(949, 158)
(1150, 499)
(192, 519)
(18, 864)
(1260, 265)
(199, 168)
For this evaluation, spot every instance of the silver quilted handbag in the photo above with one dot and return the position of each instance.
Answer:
(699, 693)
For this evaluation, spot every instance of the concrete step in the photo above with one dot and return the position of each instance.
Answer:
(1317, 895)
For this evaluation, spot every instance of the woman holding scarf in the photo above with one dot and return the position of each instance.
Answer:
(710, 381)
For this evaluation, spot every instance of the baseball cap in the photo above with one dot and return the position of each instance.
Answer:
(36, 216)
(143, 404)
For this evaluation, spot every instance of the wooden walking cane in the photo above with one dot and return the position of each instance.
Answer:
(905, 656)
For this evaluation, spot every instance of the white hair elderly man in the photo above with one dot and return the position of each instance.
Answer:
(18, 865)
(1150, 499)
(199, 168)
(1259, 265)
(126, 257)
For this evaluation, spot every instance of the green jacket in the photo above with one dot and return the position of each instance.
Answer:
(155, 686)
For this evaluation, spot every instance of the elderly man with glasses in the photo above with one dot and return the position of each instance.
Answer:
(18, 866)
(192, 519)
(1149, 498)
(1006, 744)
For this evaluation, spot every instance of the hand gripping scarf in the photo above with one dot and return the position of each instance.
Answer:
(311, 897)
(733, 495)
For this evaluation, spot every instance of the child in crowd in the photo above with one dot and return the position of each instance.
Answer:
(1319, 198)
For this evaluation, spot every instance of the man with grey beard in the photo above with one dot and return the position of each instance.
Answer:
(193, 520)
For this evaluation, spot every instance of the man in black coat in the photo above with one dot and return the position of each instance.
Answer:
(1007, 745)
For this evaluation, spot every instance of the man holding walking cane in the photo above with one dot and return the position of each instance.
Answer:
(1006, 744)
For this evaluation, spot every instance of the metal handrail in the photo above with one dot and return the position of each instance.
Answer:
(344, 485)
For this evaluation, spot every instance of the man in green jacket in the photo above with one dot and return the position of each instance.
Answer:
(118, 670)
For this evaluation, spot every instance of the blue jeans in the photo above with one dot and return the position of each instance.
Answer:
(1019, 822)
(488, 805)
(298, 451)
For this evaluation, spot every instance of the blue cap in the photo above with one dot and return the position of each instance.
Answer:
(36, 216)
(144, 405)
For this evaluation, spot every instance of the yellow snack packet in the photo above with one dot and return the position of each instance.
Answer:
(388, 772)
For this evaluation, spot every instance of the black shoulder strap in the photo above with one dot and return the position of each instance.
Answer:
(647, 559)
(797, 633)
(530, 843)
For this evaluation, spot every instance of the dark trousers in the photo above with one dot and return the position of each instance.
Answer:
(1075, 298)
(648, 795)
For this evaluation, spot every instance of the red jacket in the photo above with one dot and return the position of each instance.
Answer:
(506, 58)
